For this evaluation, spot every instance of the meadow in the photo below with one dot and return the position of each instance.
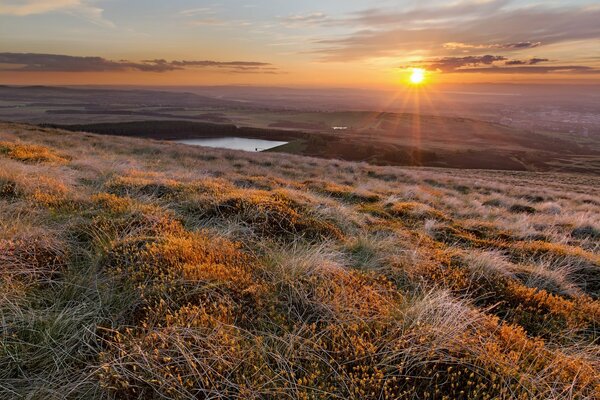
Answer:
(133, 268)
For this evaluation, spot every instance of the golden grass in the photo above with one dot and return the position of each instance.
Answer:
(269, 213)
(31, 153)
(234, 276)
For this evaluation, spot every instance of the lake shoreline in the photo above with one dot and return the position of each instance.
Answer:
(235, 143)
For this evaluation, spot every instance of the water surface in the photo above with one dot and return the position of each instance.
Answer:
(235, 143)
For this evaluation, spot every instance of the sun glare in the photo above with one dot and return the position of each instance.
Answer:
(417, 76)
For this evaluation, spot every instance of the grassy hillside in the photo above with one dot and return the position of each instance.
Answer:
(390, 139)
(132, 268)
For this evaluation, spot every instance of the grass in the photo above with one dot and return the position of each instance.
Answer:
(139, 269)
(30, 153)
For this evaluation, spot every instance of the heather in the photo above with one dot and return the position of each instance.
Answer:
(132, 268)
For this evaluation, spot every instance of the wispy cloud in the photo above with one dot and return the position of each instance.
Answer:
(530, 69)
(30, 7)
(422, 16)
(208, 16)
(464, 27)
(460, 11)
(219, 22)
(505, 46)
(532, 61)
(79, 8)
(303, 20)
(25, 62)
(193, 12)
(451, 64)
(497, 65)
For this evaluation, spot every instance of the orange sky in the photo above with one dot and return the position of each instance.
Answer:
(355, 43)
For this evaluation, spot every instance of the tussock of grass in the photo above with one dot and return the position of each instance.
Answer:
(343, 192)
(273, 214)
(8, 188)
(31, 153)
(35, 259)
(231, 275)
(414, 212)
(586, 232)
(136, 185)
(522, 208)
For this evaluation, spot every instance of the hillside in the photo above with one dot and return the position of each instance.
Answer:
(407, 137)
(388, 139)
(133, 268)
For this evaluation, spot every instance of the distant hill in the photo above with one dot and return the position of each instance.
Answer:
(380, 138)
(391, 139)
(99, 96)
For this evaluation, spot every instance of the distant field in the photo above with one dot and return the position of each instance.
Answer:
(391, 139)
(134, 268)
(380, 138)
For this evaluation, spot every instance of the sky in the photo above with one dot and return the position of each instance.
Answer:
(350, 43)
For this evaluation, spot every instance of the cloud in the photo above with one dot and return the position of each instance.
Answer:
(520, 45)
(78, 8)
(207, 63)
(193, 12)
(219, 22)
(33, 62)
(506, 46)
(490, 64)
(423, 16)
(31, 7)
(451, 64)
(210, 22)
(580, 69)
(312, 19)
(209, 16)
(465, 27)
(532, 61)
(63, 63)
(426, 16)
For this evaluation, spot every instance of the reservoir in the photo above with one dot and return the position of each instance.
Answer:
(235, 143)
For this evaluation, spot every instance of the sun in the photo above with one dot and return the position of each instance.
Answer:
(417, 76)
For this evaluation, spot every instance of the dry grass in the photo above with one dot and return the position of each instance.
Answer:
(141, 269)
(31, 153)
